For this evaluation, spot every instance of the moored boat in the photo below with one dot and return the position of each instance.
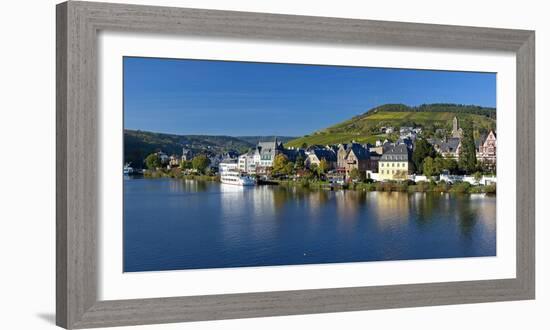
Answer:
(128, 169)
(230, 174)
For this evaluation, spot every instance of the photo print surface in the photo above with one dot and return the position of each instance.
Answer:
(236, 164)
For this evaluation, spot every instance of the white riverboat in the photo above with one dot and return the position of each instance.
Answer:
(128, 169)
(230, 174)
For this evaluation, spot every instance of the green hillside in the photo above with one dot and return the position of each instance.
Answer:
(366, 127)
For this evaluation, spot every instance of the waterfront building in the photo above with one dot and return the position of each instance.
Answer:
(381, 147)
(174, 161)
(395, 164)
(487, 148)
(266, 151)
(215, 160)
(186, 154)
(246, 163)
(358, 157)
(293, 154)
(164, 159)
(264, 155)
(447, 147)
(341, 155)
(315, 157)
(230, 154)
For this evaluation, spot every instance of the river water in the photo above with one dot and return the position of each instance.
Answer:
(172, 224)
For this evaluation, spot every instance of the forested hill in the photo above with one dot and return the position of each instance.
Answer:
(138, 144)
(438, 107)
(367, 126)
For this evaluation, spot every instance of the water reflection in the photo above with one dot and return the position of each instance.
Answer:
(180, 186)
(184, 224)
(390, 209)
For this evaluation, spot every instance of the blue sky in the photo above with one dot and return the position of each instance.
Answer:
(242, 98)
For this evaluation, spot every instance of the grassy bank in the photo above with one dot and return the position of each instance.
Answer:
(314, 184)
(178, 174)
(404, 186)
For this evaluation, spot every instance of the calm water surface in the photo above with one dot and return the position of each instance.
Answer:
(181, 224)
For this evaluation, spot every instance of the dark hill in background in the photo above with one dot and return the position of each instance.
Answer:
(254, 139)
(138, 144)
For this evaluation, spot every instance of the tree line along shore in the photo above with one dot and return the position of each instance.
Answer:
(316, 183)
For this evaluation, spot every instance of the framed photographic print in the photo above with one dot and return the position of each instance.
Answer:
(217, 165)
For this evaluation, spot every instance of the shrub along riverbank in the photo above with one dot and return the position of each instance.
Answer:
(398, 186)
(179, 174)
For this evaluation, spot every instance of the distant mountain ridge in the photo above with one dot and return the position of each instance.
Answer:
(138, 144)
(437, 107)
(365, 128)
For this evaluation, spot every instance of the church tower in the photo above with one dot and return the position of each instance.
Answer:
(457, 131)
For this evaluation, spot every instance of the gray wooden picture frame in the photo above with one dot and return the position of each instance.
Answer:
(78, 24)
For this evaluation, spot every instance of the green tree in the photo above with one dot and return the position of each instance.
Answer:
(357, 175)
(289, 168)
(354, 174)
(304, 145)
(200, 163)
(440, 164)
(314, 170)
(422, 149)
(152, 161)
(477, 177)
(300, 161)
(279, 164)
(440, 134)
(323, 166)
(467, 155)
(393, 137)
(428, 131)
(186, 164)
(486, 167)
(445, 164)
(429, 167)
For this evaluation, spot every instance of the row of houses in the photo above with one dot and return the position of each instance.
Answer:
(340, 159)
(260, 160)
(486, 147)
(389, 160)
(188, 155)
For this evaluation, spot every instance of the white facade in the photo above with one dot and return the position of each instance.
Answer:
(247, 163)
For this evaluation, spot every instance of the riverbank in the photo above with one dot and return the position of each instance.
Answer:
(178, 174)
(390, 186)
(403, 186)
